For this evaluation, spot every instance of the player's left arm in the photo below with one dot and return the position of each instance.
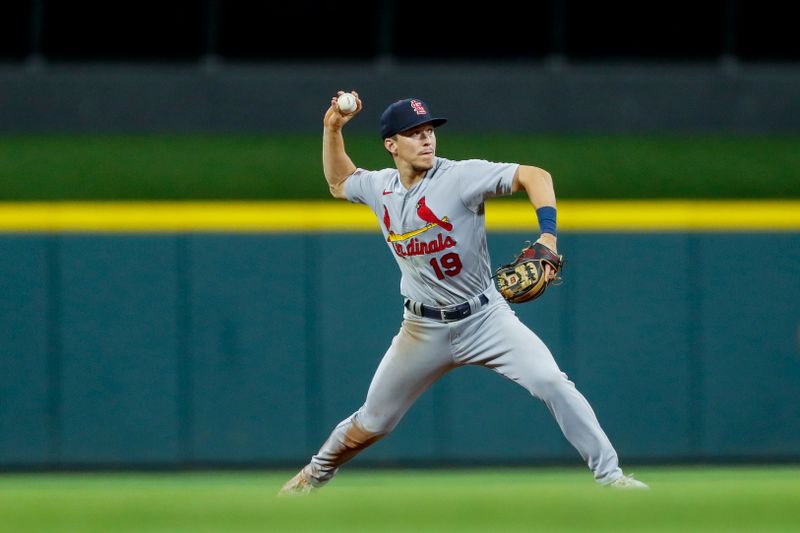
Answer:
(538, 184)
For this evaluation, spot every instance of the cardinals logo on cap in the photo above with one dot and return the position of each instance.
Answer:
(418, 107)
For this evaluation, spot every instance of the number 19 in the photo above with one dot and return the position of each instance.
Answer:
(451, 263)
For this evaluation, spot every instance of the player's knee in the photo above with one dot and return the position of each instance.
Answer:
(373, 424)
(550, 384)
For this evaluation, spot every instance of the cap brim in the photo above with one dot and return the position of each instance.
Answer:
(435, 121)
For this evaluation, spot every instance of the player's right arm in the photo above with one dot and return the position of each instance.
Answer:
(336, 164)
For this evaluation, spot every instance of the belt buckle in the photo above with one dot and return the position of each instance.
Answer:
(452, 314)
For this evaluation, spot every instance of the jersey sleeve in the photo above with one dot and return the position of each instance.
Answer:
(360, 187)
(479, 180)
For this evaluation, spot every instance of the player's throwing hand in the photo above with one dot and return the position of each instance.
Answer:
(334, 118)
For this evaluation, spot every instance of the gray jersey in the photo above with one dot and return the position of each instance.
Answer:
(436, 229)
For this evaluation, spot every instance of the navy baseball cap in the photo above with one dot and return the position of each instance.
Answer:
(406, 114)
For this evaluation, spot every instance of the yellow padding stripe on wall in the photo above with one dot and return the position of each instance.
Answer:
(320, 216)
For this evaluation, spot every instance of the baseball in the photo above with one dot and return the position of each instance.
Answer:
(347, 103)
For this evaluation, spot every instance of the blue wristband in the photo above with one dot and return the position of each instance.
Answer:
(547, 219)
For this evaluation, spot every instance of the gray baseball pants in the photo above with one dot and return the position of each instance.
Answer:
(424, 350)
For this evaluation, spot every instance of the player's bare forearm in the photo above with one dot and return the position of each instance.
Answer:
(538, 185)
(336, 164)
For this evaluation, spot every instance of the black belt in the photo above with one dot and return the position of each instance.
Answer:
(445, 314)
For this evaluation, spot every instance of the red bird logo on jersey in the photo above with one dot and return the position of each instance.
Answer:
(386, 220)
(427, 215)
(408, 244)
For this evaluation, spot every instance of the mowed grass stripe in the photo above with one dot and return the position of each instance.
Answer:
(519, 499)
(322, 216)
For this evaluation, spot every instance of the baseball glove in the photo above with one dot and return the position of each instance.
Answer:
(523, 280)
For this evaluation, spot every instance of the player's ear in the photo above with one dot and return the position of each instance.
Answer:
(390, 145)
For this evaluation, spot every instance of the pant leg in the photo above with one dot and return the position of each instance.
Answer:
(500, 341)
(417, 357)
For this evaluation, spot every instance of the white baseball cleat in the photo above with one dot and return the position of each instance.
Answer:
(627, 482)
(299, 485)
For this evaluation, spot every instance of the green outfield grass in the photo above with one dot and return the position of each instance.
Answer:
(681, 499)
(289, 167)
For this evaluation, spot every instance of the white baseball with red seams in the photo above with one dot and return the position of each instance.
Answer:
(347, 103)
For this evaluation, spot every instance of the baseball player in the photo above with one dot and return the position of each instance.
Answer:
(431, 211)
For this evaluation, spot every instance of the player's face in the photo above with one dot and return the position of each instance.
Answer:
(417, 146)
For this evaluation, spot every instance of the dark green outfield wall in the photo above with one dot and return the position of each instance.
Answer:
(180, 350)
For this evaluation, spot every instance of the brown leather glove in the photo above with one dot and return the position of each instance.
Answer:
(524, 279)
